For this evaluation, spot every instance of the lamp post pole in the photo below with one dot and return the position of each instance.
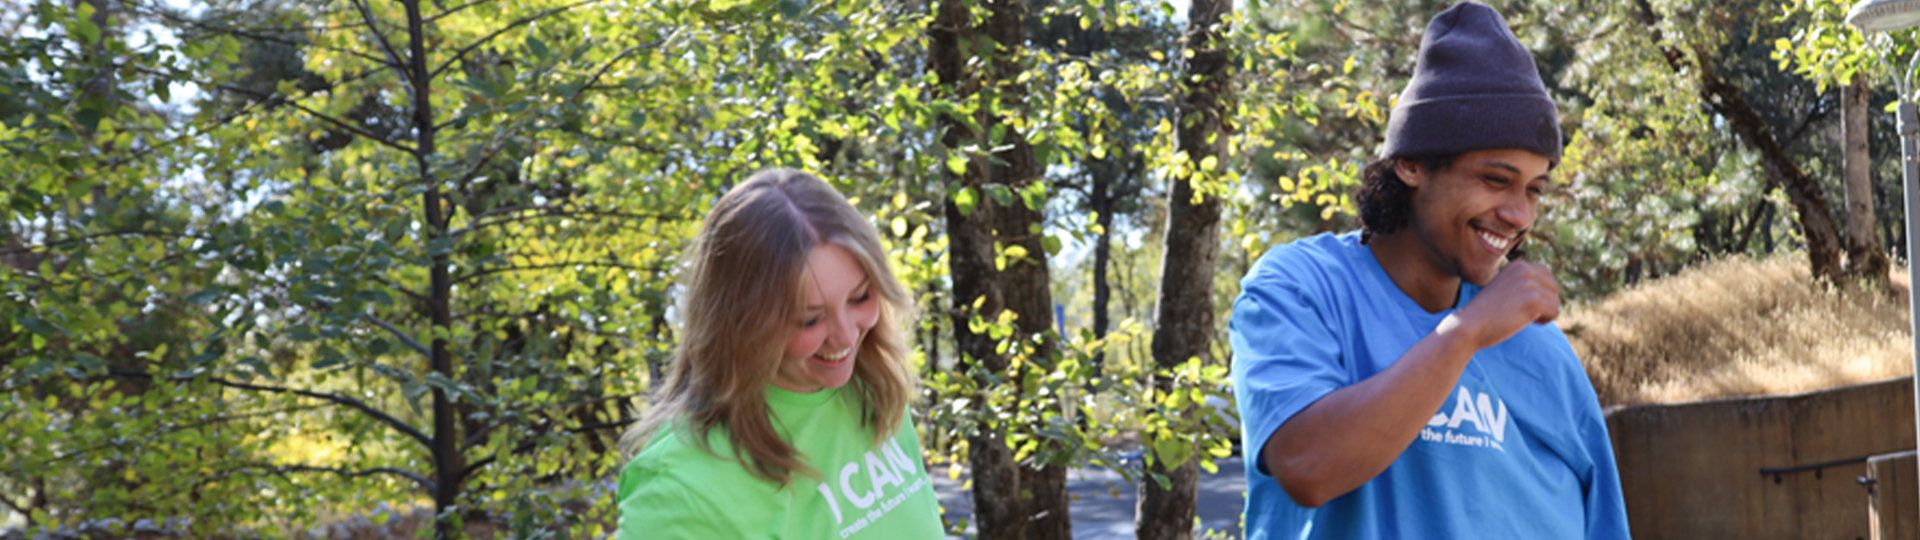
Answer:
(1910, 167)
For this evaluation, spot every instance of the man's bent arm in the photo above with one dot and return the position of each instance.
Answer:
(1350, 435)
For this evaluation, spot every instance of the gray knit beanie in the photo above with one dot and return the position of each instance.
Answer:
(1474, 88)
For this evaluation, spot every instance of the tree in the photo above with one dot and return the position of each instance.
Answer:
(430, 239)
(1865, 258)
(1186, 306)
(1825, 50)
(999, 262)
(1728, 100)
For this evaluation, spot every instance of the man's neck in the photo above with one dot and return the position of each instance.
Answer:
(1415, 267)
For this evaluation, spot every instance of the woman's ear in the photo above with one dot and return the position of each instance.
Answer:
(1410, 172)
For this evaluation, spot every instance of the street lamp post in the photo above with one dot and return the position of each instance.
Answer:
(1886, 16)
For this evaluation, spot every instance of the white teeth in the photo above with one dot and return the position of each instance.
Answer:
(835, 355)
(1497, 242)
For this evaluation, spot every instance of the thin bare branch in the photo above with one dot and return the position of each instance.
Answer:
(526, 212)
(361, 406)
(170, 430)
(402, 336)
(530, 445)
(550, 266)
(17, 508)
(263, 468)
(78, 239)
(403, 290)
(366, 14)
(342, 124)
(479, 436)
(610, 141)
(616, 58)
(454, 9)
(256, 36)
(523, 21)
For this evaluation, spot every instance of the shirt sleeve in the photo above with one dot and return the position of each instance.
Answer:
(1285, 357)
(1605, 502)
(657, 506)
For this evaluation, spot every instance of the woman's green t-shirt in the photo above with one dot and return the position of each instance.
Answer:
(674, 490)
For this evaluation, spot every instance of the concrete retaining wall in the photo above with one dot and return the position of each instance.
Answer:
(1692, 470)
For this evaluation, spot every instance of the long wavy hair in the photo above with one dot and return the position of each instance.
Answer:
(742, 301)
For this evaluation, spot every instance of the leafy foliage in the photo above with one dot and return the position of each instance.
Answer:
(267, 263)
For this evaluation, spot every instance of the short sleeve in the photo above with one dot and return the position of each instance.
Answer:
(1285, 357)
(656, 506)
(1605, 503)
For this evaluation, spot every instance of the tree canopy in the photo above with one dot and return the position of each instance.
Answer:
(268, 263)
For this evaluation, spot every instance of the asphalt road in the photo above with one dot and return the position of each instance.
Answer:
(1103, 503)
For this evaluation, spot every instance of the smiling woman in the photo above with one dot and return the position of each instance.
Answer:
(784, 415)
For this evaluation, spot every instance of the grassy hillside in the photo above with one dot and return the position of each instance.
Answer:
(1738, 327)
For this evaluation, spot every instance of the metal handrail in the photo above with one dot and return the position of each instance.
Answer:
(1816, 467)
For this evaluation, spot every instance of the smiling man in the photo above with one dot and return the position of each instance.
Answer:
(1402, 381)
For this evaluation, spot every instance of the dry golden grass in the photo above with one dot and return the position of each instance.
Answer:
(1739, 327)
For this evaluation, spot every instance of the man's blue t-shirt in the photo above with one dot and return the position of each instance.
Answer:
(1519, 451)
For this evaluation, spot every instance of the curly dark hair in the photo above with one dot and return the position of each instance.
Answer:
(1386, 203)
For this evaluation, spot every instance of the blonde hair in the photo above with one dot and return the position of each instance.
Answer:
(743, 295)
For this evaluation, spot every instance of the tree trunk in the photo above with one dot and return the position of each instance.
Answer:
(1026, 283)
(1102, 204)
(444, 450)
(1726, 99)
(1816, 219)
(1184, 322)
(1010, 501)
(1865, 259)
(657, 364)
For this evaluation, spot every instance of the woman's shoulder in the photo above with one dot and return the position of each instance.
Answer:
(676, 486)
(674, 452)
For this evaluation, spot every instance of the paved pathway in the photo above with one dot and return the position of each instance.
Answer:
(1098, 514)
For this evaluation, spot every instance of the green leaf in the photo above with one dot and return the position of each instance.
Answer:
(324, 363)
(258, 366)
(88, 32)
(373, 297)
(88, 362)
(42, 328)
(538, 48)
(1001, 194)
(206, 295)
(965, 200)
(1172, 451)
